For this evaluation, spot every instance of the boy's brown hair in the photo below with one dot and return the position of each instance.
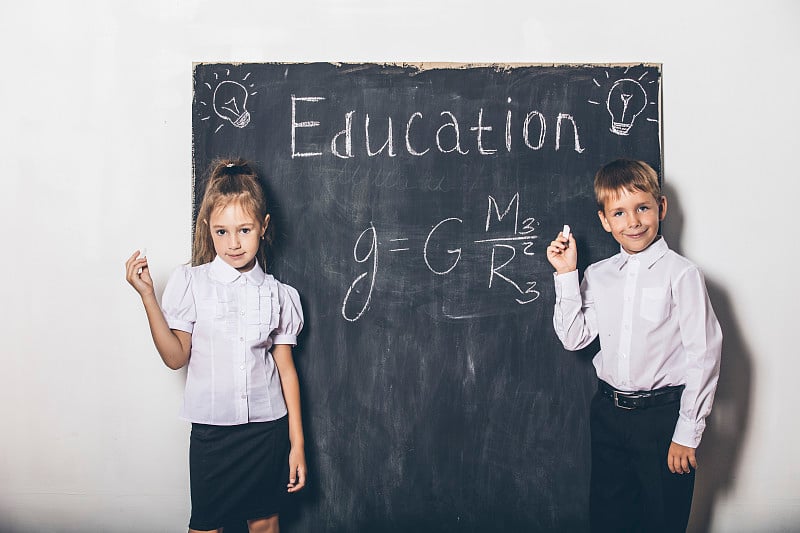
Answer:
(624, 175)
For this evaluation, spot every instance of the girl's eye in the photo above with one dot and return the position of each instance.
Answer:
(220, 232)
(246, 230)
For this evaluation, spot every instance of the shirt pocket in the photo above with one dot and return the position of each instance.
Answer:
(655, 304)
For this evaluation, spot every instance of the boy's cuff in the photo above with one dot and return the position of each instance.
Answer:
(567, 285)
(688, 433)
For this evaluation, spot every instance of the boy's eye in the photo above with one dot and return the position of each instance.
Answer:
(616, 214)
(644, 208)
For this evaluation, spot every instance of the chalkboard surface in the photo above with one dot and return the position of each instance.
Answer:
(413, 205)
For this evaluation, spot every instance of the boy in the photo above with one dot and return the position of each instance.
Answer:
(659, 355)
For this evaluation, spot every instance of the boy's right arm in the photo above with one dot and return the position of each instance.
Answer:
(173, 345)
(574, 318)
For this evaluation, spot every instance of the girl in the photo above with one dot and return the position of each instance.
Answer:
(234, 325)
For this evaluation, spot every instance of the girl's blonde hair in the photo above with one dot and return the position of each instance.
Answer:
(229, 181)
(624, 175)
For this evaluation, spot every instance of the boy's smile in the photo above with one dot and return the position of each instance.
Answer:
(632, 218)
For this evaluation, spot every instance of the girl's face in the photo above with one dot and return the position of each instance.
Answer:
(236, 235)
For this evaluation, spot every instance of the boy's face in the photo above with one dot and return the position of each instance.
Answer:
(632, 218)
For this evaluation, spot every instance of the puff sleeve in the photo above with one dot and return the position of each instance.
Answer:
(291, 316)
(178, 303)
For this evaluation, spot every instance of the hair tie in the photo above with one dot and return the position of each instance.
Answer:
(230, 165)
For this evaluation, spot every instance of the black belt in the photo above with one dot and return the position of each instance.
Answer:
(641, 399)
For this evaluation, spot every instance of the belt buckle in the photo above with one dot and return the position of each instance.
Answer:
(616, 399)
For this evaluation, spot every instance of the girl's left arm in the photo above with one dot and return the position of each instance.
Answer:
(282, 354)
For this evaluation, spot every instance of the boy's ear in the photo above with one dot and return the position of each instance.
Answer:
(662, 208)
(604, 222)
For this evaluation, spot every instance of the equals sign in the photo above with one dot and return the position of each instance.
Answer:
(398, 249)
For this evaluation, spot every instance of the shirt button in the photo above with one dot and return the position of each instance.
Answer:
(241, 339)
(241, 367)
(623, 355)
(242, 313)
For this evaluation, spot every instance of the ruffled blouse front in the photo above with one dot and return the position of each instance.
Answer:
(235, 318)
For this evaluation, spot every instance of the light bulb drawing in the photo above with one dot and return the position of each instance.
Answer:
(626, 100)
(228, 101)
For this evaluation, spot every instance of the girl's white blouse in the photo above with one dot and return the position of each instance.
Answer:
(234, 318)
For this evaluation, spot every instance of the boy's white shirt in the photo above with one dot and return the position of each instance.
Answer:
(656, 327)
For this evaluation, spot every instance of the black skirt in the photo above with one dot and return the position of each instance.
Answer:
(237, 472)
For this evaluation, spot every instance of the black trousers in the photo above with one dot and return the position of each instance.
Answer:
(632, 489)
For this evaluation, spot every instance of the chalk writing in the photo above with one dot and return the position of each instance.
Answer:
(502, 251)
(372, 235)
(447, 139)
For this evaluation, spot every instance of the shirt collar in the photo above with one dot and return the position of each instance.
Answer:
(647, 257)
(222, 271)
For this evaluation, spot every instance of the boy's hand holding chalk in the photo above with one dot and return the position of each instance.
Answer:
(561, 255)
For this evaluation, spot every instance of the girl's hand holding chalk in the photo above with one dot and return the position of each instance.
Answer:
(138, 274)
(142, 255)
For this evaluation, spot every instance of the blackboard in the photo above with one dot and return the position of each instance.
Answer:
(413, 205)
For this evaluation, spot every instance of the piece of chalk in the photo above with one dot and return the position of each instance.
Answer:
(565, 231)
(142, 253)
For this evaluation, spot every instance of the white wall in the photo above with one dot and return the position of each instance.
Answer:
(96, 161)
